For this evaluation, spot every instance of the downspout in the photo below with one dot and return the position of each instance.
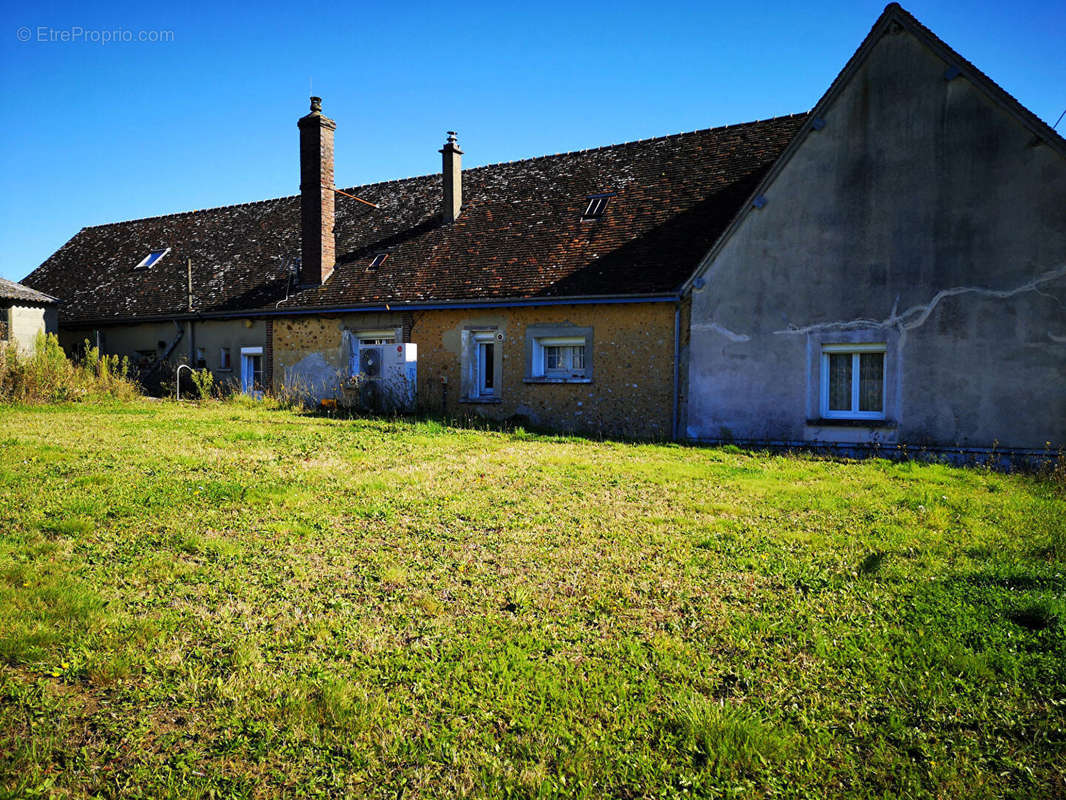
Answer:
(677, 369)
(192, 329)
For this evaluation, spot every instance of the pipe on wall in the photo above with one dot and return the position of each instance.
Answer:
(677, 369)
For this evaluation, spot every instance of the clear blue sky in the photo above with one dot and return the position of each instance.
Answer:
(97, 132)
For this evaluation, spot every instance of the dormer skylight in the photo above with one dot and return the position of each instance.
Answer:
(151, 258)
(597, 205)
(376, 261)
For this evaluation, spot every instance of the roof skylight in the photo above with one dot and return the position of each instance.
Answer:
(597, 205)
(151, 258)
(377, 261)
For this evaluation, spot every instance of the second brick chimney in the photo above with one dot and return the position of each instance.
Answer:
(318, 253)
(452, 157)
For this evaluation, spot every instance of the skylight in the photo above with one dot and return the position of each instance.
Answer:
(377, 261)
(597, 204)
(151, 258)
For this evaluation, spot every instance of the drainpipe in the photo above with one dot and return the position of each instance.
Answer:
(677, 369)
(192, 329)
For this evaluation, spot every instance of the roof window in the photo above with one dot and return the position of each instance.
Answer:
(151, 258)
(597, 204)
(377, 261)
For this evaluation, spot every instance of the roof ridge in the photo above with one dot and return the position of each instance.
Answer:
(639, 141)
(376, 184)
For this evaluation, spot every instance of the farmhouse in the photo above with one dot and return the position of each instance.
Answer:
(890, 267)
(24, 313)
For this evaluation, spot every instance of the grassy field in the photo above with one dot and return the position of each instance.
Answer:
(228, 601)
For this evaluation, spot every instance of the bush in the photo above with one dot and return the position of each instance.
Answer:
(205, 383)
(47, 376)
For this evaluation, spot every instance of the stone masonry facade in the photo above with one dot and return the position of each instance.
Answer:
(631, 354)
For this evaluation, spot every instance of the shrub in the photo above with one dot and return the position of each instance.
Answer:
(205, 383)
(46, 375)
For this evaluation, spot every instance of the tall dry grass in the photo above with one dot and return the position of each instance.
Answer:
(46, 375)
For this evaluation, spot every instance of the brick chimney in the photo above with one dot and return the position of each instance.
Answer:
(452, 158)
(316, 195)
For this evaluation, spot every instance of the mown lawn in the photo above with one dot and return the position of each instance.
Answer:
(230, 601)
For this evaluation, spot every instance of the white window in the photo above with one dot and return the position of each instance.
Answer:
(224, 361)
(558, 354)
(853, 381)
(562, 356)
(376, 338)
(201, 357)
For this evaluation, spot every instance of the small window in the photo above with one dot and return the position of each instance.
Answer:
(566, 358)
(201, 358)
(558, 354)
(224, 361)
(152, 258)
(377, 261)
(596, 206)
(376, 338)
(853, 381)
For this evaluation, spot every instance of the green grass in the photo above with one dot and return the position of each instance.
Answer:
(231, 601)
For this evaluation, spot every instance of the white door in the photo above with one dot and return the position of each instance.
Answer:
(252, 371)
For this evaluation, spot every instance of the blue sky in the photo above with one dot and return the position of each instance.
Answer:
(96, 131)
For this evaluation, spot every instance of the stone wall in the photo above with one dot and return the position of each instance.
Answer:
(630, 393)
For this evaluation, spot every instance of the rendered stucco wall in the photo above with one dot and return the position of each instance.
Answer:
(631, 392)
(211, 335)
(25, 322)
(922, 215)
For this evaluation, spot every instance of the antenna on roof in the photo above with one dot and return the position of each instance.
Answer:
(1063, 114)
(360, 199)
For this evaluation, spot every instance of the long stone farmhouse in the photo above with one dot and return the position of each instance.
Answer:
(889, 267)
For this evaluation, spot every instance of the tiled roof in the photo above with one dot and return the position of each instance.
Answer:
(9, 290)
(520, 235)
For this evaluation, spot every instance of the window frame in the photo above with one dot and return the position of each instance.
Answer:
(855, 349)
(541, 337)
(377, 337)
(248, 354)
(144, 262)
(597, 205)
(376, 261)
(225, 359)
(476, 340)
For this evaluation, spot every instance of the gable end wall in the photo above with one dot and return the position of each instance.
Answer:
(922, 215)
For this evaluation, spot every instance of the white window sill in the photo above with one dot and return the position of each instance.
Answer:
(543, 379)
(851, 422)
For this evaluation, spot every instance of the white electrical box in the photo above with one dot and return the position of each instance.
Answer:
(388, 376)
